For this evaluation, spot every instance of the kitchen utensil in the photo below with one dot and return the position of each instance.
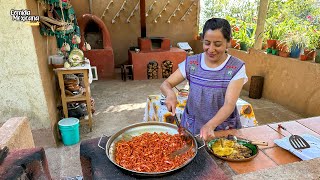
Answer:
(57, 61)
(136, 130)
(244, 142)
(182, 92)
(296, 141)
(234, 138)
(185, 136)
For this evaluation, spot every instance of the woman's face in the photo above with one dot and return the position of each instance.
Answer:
(215, 45)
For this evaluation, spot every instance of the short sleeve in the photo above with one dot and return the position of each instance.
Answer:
(241, 74)
(182, 68)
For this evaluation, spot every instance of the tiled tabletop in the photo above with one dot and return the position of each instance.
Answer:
(271, 155)
(311, 123)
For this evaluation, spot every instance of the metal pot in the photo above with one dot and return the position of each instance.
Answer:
(138, 129)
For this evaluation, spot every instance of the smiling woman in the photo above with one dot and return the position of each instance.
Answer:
(216, 79)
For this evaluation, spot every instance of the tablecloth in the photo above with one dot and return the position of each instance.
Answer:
(304, 154)
(156, 110)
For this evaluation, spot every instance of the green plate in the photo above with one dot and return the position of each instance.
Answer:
(244, 142)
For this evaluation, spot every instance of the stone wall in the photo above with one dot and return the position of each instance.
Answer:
(16, 134)
(124, 35)
(287, 81)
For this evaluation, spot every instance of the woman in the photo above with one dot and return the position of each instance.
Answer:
(215, 80)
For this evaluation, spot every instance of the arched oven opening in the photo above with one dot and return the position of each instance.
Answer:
(93, 35)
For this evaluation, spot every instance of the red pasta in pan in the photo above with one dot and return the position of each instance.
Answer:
(150, 152)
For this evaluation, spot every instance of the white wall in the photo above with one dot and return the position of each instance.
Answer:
(21, 89)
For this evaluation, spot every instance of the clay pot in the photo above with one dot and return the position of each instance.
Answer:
(271, 43)
(237, 46)
(233, 43)
(264, 47)
(310, 53)
(284, 54)
(303, 57)
(282, 46)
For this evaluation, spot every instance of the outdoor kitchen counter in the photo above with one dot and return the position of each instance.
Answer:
(206, 166)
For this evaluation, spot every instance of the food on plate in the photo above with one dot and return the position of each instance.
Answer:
(223, 151)
(230, 149)
(149, 152)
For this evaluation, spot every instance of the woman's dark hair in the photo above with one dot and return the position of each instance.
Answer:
(218, 23)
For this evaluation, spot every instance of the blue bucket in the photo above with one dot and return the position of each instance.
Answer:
(69, 128)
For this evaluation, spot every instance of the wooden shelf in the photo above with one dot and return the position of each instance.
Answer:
(86, 97)
(77, 98)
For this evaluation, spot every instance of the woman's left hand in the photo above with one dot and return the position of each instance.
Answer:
(207, 132)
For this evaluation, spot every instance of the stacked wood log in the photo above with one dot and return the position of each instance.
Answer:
(152, 70)
(167, 68)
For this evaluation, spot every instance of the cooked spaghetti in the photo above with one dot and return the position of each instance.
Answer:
(150, 152)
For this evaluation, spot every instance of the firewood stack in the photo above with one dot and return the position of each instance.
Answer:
(166, 68)
(152, 70)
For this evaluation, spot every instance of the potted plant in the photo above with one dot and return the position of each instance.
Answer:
(296, 42)
(235, 32)
(314, 38)
(274, 32)
(245, 36)
(283, 49)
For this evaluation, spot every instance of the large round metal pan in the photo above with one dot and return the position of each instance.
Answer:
(138, 129)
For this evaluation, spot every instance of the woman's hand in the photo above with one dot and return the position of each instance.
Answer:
(207, 132)
(166, 89)
(171, 103)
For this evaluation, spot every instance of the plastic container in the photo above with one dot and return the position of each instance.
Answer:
(69, 128)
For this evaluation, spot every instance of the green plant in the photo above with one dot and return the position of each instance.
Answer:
(245, 34)
(295, 40)
(314, 39)
(275, 30)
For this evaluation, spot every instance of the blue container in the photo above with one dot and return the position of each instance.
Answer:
(69, 128)
(295, 52)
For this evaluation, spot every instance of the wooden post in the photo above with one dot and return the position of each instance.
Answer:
(256, 87)
(262, 14)
(143, 18)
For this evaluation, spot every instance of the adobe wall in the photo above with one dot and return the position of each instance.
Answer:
(124, 35)
(287, 81)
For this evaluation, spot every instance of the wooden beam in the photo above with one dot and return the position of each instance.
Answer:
(262, 14)
(143, 18)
